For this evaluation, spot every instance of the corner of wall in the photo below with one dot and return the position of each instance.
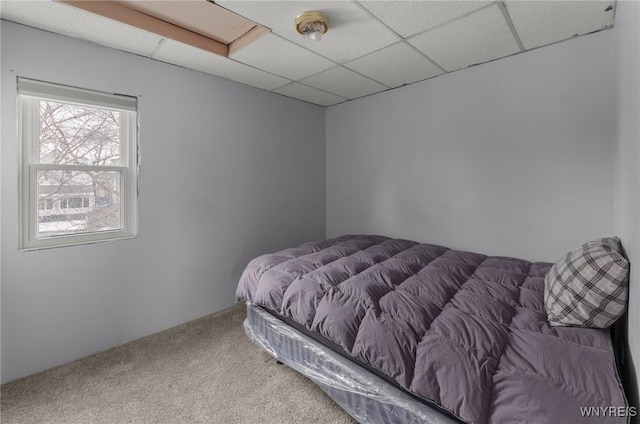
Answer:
(0, 198)
(626, 176)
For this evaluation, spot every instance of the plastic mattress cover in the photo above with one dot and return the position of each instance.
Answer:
(365, 396)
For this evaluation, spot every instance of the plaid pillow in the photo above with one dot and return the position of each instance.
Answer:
(588, 287)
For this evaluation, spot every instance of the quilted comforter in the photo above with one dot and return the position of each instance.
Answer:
(462, 331)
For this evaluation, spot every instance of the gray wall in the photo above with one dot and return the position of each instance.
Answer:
(224, 178)
(627, 171)
(511, 157)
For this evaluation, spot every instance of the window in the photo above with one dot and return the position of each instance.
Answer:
(74, 202)
(78, 165)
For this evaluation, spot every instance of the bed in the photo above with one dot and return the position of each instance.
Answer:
(401, 332)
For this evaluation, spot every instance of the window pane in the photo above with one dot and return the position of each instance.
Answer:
(75, 202)
(78, 135)
(81, 202)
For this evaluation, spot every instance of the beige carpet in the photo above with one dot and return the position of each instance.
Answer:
(205, 371)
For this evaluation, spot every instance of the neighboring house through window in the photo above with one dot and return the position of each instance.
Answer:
(78, 165)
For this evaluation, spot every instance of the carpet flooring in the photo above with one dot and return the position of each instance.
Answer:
(204, 371)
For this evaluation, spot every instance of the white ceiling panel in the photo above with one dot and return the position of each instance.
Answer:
(73, 22)
(476, 38)
(204, 61)
(352, 32)
(344, 82)
(411, 17)
(539, 23)
(308, 94)
(395, 66)
(281, 57)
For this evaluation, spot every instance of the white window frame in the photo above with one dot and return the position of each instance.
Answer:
(30, 92)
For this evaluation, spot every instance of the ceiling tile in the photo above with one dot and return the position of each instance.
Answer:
(281, 57)
(352, 31)
(309, 94)
(77, 23)
(539, 23)
(204, 61)
(476, 38)
(383, 66)
(411, 17)
(344, 82)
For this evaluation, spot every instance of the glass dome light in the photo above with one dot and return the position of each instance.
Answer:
(312, 24)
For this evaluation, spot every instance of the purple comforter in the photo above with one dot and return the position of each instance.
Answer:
(465, 331)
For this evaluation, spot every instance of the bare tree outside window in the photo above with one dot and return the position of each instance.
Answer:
(78, 135)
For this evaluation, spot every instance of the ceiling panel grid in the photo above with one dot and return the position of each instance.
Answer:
(370, 46)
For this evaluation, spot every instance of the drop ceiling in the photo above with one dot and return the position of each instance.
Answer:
(371, 46)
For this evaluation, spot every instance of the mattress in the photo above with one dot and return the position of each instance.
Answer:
(365, 396)
(461, 332)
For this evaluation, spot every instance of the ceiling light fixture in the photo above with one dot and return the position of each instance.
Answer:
(312, 24)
